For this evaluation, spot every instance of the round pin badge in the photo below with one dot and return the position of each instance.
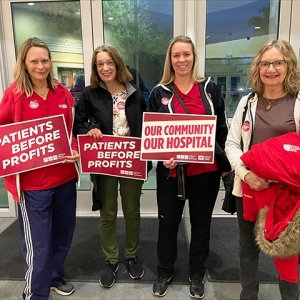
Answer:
(165, 100)
(246, 126)
(33, 104)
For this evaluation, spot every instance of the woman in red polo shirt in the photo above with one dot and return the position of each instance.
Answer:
(46, 196)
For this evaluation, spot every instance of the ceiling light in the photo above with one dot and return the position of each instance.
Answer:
(257, 27)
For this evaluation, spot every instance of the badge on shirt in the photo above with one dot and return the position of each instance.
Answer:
(33, 104)
(165, 100)
(246, 126)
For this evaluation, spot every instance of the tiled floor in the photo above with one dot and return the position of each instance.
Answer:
(133, 291)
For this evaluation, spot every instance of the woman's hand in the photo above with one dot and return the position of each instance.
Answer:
(256, 183)
(72, 159)
(170, 164)
(95, 133)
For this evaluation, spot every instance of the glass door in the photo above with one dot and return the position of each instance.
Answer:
(139, 29)
(226, 33)
(68, 34)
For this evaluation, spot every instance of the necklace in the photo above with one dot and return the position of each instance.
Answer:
(270, 102)
(42, 94)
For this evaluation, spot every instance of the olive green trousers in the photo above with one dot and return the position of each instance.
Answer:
(130, 193)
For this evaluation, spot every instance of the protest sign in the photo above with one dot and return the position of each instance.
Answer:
(112, 155)
(33, 144)
(186, 137)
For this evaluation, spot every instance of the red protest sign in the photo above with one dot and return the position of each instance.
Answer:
(112, 155)
(186, 137)
(33, 144)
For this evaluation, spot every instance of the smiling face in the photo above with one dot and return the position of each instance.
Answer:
(38, 64)
(272, 77)
(107, 72)
(182, 59)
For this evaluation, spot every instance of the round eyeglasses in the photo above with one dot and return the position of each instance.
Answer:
(109, 63)
(278, 64)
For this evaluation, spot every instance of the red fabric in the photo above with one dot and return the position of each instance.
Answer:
(253, 201)
(55, 175)
(11, 112)
(250, 209)
(193, 102)
(277, 159)
(280, 213)
(288, 268)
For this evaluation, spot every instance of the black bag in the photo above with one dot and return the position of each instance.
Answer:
(229, 205)
(229, 200)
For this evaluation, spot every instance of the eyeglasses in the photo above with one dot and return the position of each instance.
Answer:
(278, 64)
(109, 63)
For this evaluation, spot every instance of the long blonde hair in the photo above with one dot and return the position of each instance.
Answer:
(169, 74)
(21, 75)
(292, 79)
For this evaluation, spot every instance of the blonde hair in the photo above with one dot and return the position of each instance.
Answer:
(122, 73)
(169, 74)
(292, 79)
(21, 75)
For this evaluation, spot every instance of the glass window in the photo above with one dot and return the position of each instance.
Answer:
(3, 195)
(58, 24)
(141, 31)
(235, 31)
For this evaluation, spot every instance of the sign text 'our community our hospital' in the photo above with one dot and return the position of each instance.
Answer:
(184, 137)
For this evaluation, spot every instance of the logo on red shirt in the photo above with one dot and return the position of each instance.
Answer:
(33, 104)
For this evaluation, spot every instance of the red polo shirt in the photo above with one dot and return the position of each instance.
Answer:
(194, 103)
(35, 107)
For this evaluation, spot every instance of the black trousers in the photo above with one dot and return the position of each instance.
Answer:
(202, 192)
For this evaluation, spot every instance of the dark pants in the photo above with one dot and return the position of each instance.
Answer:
(249, 256)
(47, 221)
(202, 193)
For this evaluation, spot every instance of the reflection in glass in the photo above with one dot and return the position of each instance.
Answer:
(141, 31)
(3, 195)
(235, 31)
(58, 24)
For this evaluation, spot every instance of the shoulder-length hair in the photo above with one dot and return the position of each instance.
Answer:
(122, 73)
(292, 79)
(169, 73)
(21, 75)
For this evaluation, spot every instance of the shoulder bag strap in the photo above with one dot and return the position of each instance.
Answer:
(244, 115)
(171, 87)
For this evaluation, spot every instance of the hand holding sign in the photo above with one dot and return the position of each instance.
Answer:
(187, 138)
(95, 133)
(73, 158)
(112, 155)
(33, 144)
